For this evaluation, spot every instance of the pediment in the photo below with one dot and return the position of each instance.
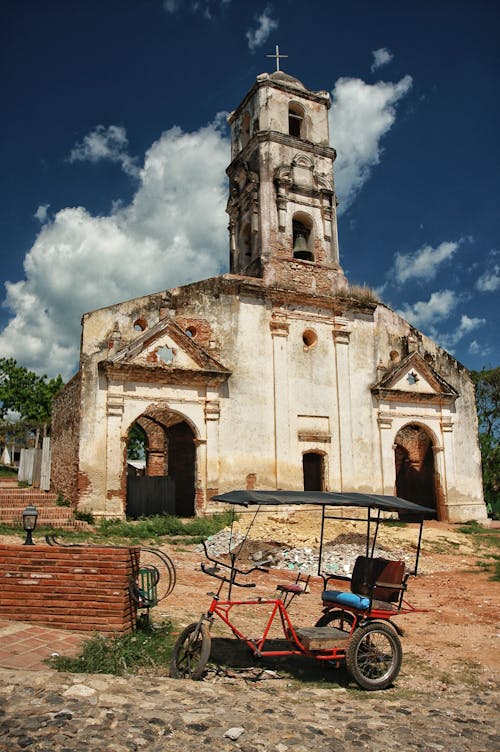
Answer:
(414, 379)
(167, 349)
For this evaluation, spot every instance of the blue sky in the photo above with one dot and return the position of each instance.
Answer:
(114, 147)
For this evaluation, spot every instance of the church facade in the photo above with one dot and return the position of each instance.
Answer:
(278, 375)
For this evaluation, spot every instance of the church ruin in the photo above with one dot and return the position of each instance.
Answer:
(276, 375)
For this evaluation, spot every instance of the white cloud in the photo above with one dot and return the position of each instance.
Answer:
(427, 312)
(476, 348)
(465, 327)
(42, 213)
(423, 263)
(106, 143)
(174, 230)
(489, 281)
(206, 8)
(381, 57)
(265, 25)
(80, 262)
(360, 116)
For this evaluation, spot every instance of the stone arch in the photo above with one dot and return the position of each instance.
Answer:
(170, 455)
(313, 470)
(417, 478)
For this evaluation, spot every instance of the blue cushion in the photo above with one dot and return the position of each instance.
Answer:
(346, 599)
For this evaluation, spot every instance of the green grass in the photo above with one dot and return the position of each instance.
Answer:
(196, 529)
(156, 529)
(8, 472)
(487, 544)
(146, 651)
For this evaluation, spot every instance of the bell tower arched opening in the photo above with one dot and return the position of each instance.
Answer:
(296, 125)
(416, 476)
(302, 226)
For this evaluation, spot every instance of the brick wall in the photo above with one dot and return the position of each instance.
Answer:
(65, 438)
(82, 588)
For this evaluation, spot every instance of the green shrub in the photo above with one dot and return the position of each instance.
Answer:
(62, 502)
(146, 651)
(85, 516)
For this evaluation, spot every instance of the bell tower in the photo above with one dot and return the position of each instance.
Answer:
(282, 205)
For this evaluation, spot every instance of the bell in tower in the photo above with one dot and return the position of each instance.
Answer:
(282, 205)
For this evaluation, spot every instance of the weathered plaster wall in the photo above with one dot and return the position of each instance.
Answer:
(65, 440)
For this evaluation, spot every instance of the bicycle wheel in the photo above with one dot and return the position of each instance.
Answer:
(159, 560)
(191, 652)
(374, 656)
(337, 618)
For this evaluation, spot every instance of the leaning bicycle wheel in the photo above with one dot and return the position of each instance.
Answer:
(191, 652)
(159, 560)
(374, 656)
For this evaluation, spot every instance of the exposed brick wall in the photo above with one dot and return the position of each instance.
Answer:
(65, 440)
(82, 588)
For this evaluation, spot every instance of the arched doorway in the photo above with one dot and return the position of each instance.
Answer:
(167, 484)
(313, 471)
(415, 471)
(181, 467)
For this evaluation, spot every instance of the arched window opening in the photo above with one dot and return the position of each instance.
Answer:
(245, 129)
(295, 120)
(302, 237)
(313, 470)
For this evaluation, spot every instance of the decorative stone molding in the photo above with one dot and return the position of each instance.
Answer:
(212, 410)
(115, 405)
(279, 325)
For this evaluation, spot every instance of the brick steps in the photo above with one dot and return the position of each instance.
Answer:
(13, 500)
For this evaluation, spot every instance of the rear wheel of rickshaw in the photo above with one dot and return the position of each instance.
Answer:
(191, 652)
(374, 656)
(337, 618)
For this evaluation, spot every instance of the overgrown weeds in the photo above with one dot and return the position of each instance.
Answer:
(196, 529)
(152, 529)
(146, 651)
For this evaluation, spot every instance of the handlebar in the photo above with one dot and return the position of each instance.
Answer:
(212, 571)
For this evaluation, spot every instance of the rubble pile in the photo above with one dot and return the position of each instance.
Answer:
(338, 557)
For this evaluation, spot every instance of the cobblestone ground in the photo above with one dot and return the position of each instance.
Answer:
(46, 711)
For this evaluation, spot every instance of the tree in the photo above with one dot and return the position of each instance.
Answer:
(28, 395)
(137, 443)
(487, 384)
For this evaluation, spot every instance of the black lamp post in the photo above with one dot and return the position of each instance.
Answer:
(30, 516)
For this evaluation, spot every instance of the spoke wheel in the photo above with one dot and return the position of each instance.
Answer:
(337, 618)
(191, 652)
(374, 656)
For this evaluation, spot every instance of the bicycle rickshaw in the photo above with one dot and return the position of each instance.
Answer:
(356, 627)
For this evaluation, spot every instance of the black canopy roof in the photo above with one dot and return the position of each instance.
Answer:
(322, 498)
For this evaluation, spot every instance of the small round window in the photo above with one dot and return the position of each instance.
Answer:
(309, 338)
(140, 325)
(191, 332)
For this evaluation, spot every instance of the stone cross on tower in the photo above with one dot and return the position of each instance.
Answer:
(277, 56)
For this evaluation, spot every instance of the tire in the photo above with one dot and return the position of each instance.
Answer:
(156, 559)
(191, 652)
(374, 656)
(337, 618)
